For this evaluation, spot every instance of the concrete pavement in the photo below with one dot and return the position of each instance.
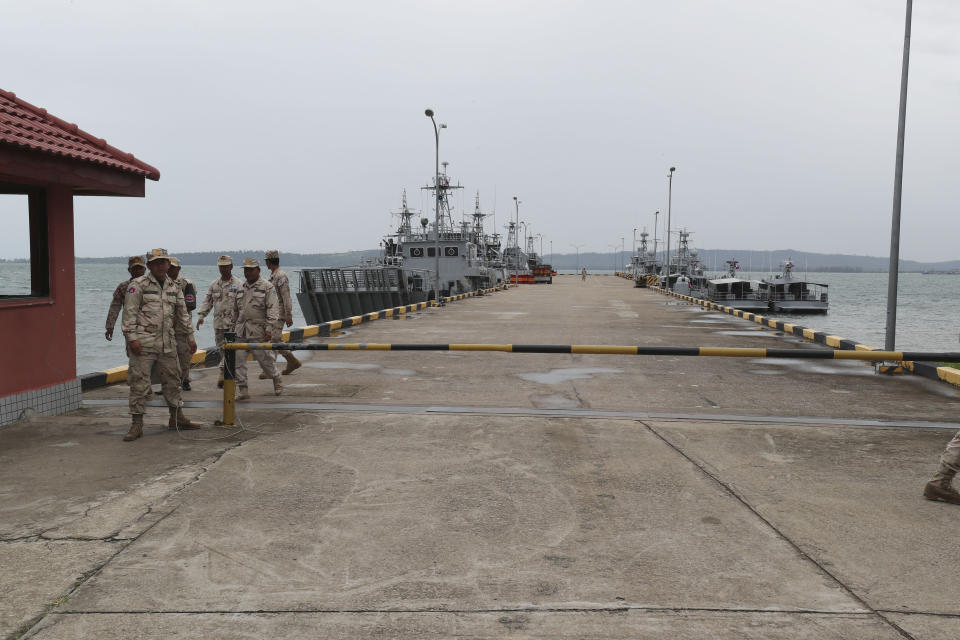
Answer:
(346, 509)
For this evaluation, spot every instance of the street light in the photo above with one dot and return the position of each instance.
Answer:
(516, 240)
(894, 268)
(436, 204)
(577, 247)
(615, 247)
(669, 209)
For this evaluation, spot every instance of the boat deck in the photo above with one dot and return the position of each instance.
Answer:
(439, 494)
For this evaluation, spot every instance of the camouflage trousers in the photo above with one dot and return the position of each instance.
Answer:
(266, 359)
(184, 356)
(219, 340)
(277, 336)
(950, 460)
(167, 369)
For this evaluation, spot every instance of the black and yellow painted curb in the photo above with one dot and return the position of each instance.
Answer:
(211, 357)
(925, 369)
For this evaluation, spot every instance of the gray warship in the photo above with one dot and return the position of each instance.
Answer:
(406, 272)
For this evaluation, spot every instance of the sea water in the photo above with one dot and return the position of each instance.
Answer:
(928, 310)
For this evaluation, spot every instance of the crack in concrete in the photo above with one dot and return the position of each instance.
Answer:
(803, 555)
(622, 609)
(123, 544)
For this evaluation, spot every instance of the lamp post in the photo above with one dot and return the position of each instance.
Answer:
(623, 249)
(436, 204)
(577, 247)
(894, 269)
(669, 210)
(551, 253)
(615, 248)
(516, 240)
(656, 214)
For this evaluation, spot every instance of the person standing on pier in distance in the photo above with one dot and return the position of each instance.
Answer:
(281, 283)
(136, 267)
(583, 274)
(153, 311)
(222, 298)
(257, 315)
(184, 353)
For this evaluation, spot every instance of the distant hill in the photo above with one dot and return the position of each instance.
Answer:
(713, 259)
(752, 260)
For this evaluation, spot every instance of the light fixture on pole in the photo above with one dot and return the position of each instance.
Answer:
(438, 196)
(669, 210)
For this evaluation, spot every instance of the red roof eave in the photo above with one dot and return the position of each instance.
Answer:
(27, 126)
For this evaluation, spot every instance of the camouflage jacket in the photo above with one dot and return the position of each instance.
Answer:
(189, 296)
(152, 312)
(222, 298)
(281, 283)
(116, 305)
(256, 310)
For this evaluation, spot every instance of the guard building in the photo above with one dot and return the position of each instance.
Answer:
(47, 161)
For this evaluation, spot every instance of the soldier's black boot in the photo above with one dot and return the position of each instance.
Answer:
(940, 487)
(136, 428)
(178, 420)
(185, 385)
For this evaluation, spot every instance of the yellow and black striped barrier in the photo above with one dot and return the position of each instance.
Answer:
(602, 349)
(230, 349)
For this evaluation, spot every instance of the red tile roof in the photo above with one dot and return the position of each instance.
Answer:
(24, 125)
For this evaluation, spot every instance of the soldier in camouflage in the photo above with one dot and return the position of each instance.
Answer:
(256, 313)
(153, 311)
(222, 298)
(281, 283)
(184, 354)
(136, 267)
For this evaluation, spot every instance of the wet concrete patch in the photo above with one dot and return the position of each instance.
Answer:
(835, 367)
(321, 390)
(554, 401)
(558, 376)
(741, 332)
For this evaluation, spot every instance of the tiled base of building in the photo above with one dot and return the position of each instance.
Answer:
(48, 401)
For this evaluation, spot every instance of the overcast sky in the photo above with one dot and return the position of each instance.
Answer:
(299, 124)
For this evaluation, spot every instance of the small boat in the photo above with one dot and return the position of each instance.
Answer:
(786, 294)
(735, 292)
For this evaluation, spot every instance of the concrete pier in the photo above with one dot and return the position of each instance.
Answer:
(440, 494)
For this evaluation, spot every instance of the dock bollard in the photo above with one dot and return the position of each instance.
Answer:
(229, 381)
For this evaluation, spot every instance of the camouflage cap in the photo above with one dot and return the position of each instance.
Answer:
(174, 262)
(271, 254)
(251, 263)
(157, 254)
(224, 261)
(135, 261)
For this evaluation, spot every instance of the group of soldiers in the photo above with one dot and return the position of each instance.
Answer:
(159, 333)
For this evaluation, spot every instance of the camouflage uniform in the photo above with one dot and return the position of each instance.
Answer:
(116, 304)
(222, 298)
(183, 339)
(256, 313)
(281, 283)
(152, 313)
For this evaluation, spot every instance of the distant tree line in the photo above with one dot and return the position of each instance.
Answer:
(712, 259)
